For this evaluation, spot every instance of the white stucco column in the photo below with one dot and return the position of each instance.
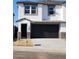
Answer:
(20, 13)
(45, 13)
(28, 30)
(40, 11)
(19, 31)
(62, 30)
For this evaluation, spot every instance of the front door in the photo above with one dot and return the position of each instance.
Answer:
(23, 30)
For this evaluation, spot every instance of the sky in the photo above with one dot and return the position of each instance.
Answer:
(15, 11)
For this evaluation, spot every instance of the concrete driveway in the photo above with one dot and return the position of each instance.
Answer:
(50, 49)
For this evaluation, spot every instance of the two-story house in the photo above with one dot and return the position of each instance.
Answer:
(41, 19)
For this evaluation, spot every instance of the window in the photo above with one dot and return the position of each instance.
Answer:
(33, 10)
(51, 10)
(30, 9)
(27, 9)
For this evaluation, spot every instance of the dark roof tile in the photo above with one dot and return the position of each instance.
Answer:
(49, 2)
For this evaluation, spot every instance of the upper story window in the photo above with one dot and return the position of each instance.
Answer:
(33, 10)
(30, 9)
(27, 9)
(51, 10)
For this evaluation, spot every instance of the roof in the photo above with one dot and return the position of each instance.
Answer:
(54, 21)
(48, 22)
(22, 19)
(47, 3)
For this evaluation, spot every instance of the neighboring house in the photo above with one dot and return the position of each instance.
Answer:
(41, 19)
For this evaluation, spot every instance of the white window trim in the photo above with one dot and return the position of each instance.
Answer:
(32, 9)
(27, 9)
(51, 10)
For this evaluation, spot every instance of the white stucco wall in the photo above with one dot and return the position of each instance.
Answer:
(45, 13)
(62, 27)
(42, 13)
(34, 17)
(59, 11)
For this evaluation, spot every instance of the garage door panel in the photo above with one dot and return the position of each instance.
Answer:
(44, 31)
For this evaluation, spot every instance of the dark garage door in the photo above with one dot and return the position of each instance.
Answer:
(44, 30)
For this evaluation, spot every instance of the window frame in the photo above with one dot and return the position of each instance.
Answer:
(34, 9)
(30, 9)
(53, 6)
(27, 9)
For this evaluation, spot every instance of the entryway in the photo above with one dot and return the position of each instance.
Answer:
(23, 30)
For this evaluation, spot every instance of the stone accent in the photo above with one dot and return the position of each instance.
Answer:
(62, 35)
(28, 35)
(25, 42)
(19, 36)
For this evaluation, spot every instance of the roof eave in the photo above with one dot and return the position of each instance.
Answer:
(47, 3)
(23, 19)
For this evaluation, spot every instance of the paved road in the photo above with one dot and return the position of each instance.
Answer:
(37, 55)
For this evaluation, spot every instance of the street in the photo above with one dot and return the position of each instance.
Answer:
(37, 55)
(33, 53)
